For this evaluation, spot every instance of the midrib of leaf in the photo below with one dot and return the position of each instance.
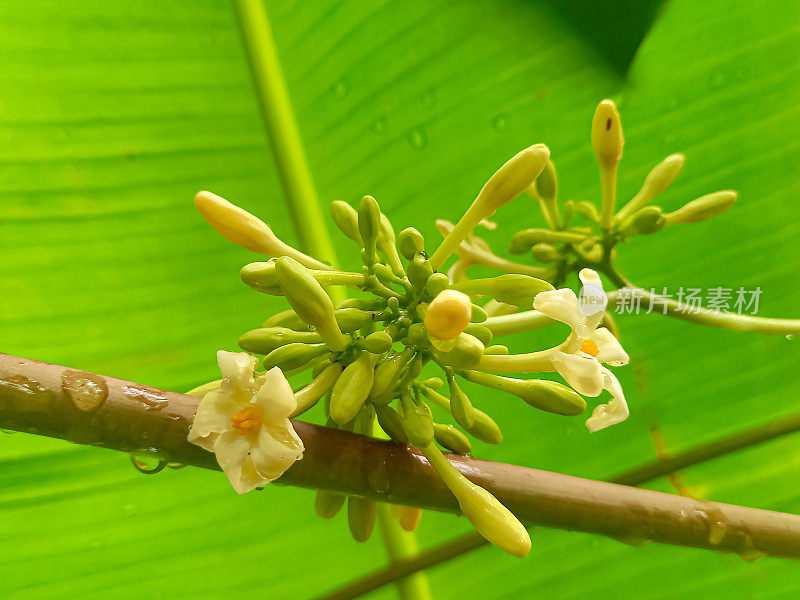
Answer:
(282, 131)
(301, 199)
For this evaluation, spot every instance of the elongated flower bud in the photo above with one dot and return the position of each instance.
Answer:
(545, 253)
(549, 396)
(460, 405)
(391, 423)
(246, 230)
(292, 356)
(328, 504)
(346, 219)
(484, 428)
(387, 374)
(417, 421)
(388, 246)
(515, 289)
(310, 394)
(351, 389)
(309, 300)
(266, 339)
(656, 182)
(369, 224)
(607, 138)
(507, 183)
(484, 334)
(525, 239)
(263, 277)
(645, 221)
(702, 208)
(448, 315)
(451, 438)
(360, 517)
(546, 184)
(488, 516)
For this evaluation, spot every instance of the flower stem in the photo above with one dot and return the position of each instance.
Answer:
(402, 545)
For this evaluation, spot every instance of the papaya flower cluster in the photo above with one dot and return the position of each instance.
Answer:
(565, 246)
(365, 355)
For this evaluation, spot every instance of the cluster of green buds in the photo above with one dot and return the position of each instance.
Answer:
(366, 353)
(562, 247)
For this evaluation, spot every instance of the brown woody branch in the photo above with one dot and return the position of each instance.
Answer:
(87, 408)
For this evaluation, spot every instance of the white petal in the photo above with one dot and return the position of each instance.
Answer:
(233, 455)
(275, 397)
(278, 448)
(593, 299)
(583, 373)
(611, 352)
(612, 413)
(212, 418)
(562, 305)
(237, 374)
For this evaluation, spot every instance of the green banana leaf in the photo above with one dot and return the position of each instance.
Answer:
(113, 114)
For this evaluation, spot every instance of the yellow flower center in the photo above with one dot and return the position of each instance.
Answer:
(590, 347)
(247, 420)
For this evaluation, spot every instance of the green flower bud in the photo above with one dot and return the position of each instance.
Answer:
(370, 304)
(484, 428)
(411, 242)
(352, 388)
(465, 354)
(644, 221)
(478, 314)
(262, 277)
(545, 395)
(328, 504)
(460, 406)
(488, 516)
(496, 349)
(378, 342)
(656, 182)
(346, 219)
(451, 438)
(266, 339)
(309, 395)
(360, 517)
(369, 225)
(702, 208)
(588, 210)
(417, 420)
(567, 211)
(387, 245)
(515, 289)
(287, 318)
(546, 184)
(419, 270)
(433, 382)
(309, 300)
(524, 240)
(438, 282)
(391, 423)
(663, 174)
(545, 253)
(418, 335)
(506, 184)
(353, 319)
(293, 356)
(484, 334)
(248, 231)
(607, 138)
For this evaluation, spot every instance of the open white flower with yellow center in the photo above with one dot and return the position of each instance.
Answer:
(246, 423)
(580, 359)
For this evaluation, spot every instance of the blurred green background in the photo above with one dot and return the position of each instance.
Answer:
(113, 114)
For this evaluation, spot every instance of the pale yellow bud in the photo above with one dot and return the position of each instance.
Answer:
(448, 315)
(246, 230)
(607, 139)
(510, 180)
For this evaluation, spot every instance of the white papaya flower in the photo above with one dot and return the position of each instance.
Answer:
(246, 423)
(581, 358)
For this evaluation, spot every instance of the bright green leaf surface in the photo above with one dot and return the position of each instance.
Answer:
(112, 115)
